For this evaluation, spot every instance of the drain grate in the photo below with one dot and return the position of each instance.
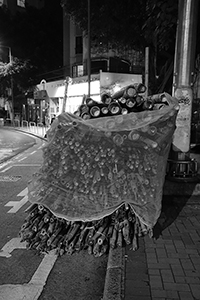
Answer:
(10, 178)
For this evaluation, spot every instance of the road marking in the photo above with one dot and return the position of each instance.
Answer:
(12, 245)
(10, 161)
(22, 158)
(16, 157)
(5, 164)
(27, 165)
(18, 204)
(9, 178)
(32, 289)
(32, 152)
(6, 169)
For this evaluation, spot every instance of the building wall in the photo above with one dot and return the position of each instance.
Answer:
(70, 57)
(102, 58)
(19, 5)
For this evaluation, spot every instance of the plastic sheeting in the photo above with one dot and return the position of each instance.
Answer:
(92, 167)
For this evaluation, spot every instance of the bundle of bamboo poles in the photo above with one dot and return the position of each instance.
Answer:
(43, 231)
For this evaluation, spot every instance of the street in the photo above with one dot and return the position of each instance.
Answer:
(12, 143)
(23, 273)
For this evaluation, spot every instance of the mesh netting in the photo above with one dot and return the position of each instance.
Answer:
(92, 167)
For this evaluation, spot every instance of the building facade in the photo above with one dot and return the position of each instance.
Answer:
(75, 54)
(20, 5)
(104, 63)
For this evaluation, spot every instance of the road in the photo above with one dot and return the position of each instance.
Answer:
(12, 142)
(23, 273)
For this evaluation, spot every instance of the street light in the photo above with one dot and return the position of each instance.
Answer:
(89, 50)
(10, 61)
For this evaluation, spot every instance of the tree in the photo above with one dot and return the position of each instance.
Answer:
(39, 34)
(35, 36)
(117, 22)
(134, 24)
(10, 78)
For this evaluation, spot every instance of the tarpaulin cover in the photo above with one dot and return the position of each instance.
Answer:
(92, 167)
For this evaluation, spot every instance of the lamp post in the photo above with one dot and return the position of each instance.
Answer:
(11, 83)
(89, 51)
(181, 166)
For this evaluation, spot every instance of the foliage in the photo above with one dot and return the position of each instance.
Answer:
(133, 23)
(160, 25)
(13, 68)
(35, 38)
(17, 70)
(117, 22)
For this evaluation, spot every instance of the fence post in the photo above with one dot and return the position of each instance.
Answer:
(32, 124)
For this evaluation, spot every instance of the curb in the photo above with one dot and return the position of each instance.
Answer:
(114, 281)
(27, 132)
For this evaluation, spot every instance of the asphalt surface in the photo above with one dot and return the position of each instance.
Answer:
(11, 143)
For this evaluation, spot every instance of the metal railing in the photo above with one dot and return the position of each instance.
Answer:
(38, 129)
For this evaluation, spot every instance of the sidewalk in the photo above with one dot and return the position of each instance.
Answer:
(168, 266)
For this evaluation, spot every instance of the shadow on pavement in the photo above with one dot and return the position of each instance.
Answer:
(172, 205)
(170, 211)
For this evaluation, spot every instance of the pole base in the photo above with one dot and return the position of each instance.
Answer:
(182, 170)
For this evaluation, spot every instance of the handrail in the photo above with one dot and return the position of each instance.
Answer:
(41, 125)
(17, 121)
(32, 125)
(26, 123)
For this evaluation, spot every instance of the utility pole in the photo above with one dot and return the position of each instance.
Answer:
(181, 167)
(89, 51)
(147, 70)
(68, 81)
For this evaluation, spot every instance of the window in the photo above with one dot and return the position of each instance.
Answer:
(77, 71)
(117, 65)
(79, 45)
(97, 65)
(21, 3)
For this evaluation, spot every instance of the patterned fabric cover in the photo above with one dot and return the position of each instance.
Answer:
(92, 167)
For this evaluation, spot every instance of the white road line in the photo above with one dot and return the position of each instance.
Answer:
(10, 161)
(26, 165)
(5, 164)
(23, 193)
(32, 152)
(22, 158)
(16, 205)
(41, 146)
(11, 245)
(16, 157)
(32, 289)
(18, 165)
(6, 169)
